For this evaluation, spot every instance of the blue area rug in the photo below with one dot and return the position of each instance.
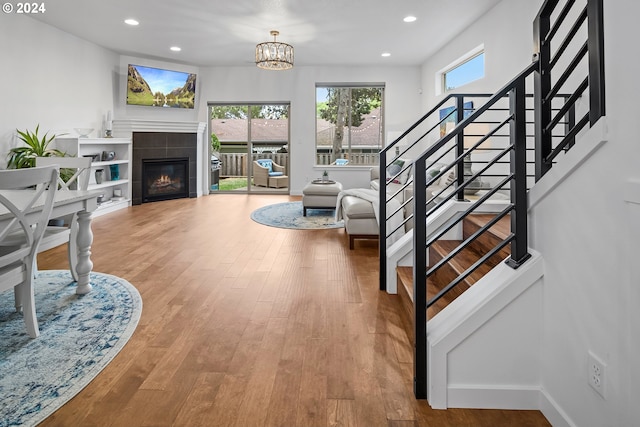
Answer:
(79, 336)
(289, 215)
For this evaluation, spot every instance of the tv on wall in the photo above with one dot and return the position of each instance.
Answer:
(160, 88)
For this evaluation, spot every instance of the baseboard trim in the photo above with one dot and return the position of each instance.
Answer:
(553, 413)
(520, 398)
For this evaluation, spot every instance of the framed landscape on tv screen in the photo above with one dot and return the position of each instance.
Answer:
(156, 87)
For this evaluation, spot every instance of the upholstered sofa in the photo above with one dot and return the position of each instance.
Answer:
(263, 169)
(399, 182)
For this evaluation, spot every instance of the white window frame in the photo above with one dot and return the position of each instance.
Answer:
(440, 74)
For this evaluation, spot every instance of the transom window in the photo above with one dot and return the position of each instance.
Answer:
(349, 124)
(466, 70)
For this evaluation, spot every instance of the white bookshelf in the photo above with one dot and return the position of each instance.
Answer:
(122, 161)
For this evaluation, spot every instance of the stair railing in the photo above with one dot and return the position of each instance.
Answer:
(411, 143)
(549, 25)
(547, 84)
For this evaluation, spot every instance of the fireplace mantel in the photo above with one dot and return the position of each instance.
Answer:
(125, 128)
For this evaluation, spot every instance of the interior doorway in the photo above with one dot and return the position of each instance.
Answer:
(249, 145)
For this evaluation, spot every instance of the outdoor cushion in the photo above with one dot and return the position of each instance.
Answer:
(276, 173)
(266, 163)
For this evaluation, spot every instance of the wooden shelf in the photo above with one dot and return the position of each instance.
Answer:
(107, 184)
(95, 146)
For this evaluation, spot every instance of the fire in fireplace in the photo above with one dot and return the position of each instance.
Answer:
(165, 179)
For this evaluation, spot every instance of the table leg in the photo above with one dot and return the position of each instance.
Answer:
(84, 239)
(72, 247)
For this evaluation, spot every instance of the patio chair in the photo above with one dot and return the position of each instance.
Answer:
(263, 169)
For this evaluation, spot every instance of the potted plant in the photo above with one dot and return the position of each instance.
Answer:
(36, 146)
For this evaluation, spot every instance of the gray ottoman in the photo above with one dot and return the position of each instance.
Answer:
(320, 196)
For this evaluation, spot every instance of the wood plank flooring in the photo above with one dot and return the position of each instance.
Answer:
(248, 325)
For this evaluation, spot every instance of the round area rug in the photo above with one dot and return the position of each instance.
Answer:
(289, 215)
(79, 336)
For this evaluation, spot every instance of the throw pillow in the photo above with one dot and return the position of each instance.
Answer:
(266, 163)
(449, 178)
(394, 169)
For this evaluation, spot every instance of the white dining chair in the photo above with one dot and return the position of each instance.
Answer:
(55, 235)
(23, 194)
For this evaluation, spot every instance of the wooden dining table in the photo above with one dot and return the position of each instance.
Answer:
(66, 203)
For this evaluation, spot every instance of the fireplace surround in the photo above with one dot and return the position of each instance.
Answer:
(140, 132)
(156, 148)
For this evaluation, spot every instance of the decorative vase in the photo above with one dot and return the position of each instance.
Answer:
(99, 176)
(115, 172)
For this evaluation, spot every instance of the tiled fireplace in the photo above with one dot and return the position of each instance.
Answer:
(164, 154)
(177, 147)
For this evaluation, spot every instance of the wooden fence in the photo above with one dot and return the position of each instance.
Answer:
(235, 164)
(354, 158)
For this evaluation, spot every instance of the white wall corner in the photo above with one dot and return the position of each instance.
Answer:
(552, 411)
(454, 354)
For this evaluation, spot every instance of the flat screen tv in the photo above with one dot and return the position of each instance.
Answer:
(160, 88)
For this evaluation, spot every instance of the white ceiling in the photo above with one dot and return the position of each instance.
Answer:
(215, 32)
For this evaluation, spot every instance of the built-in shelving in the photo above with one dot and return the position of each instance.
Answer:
(95, 147)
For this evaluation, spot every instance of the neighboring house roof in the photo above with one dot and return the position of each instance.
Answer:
(235, 130)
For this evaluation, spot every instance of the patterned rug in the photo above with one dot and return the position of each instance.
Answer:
(79, 336)
(289, 215)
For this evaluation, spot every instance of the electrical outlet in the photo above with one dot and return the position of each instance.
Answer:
(596, 372)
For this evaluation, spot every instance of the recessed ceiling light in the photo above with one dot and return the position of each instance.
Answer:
(409, 18)
(385, 54)
(175, 48)
(131, 22)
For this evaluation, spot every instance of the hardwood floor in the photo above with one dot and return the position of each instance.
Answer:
(248, 325)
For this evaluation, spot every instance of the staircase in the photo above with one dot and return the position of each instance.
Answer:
(455, 267)
(519, 133)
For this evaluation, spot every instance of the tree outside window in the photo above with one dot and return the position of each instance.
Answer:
(349, 124)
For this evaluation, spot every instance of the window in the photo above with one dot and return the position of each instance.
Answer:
(349, 124)
(467, 69)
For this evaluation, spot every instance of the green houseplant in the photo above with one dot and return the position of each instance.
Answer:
(35, 146)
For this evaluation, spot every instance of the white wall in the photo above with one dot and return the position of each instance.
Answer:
(588, 234)
(507, 34)
(51, 78)
(297, 86)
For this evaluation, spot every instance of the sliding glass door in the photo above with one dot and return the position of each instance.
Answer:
(249, 147)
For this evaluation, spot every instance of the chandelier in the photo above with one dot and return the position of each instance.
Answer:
(274, 55)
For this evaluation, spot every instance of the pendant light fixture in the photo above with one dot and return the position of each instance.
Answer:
(274, 55)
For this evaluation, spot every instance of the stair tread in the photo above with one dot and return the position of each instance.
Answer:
(498, 232)
(501, 229)
(464, 259)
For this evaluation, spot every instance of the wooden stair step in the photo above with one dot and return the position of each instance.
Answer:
(405, 294)
(450, 271)
(489, 239)
(501, 229)
(463, 260)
